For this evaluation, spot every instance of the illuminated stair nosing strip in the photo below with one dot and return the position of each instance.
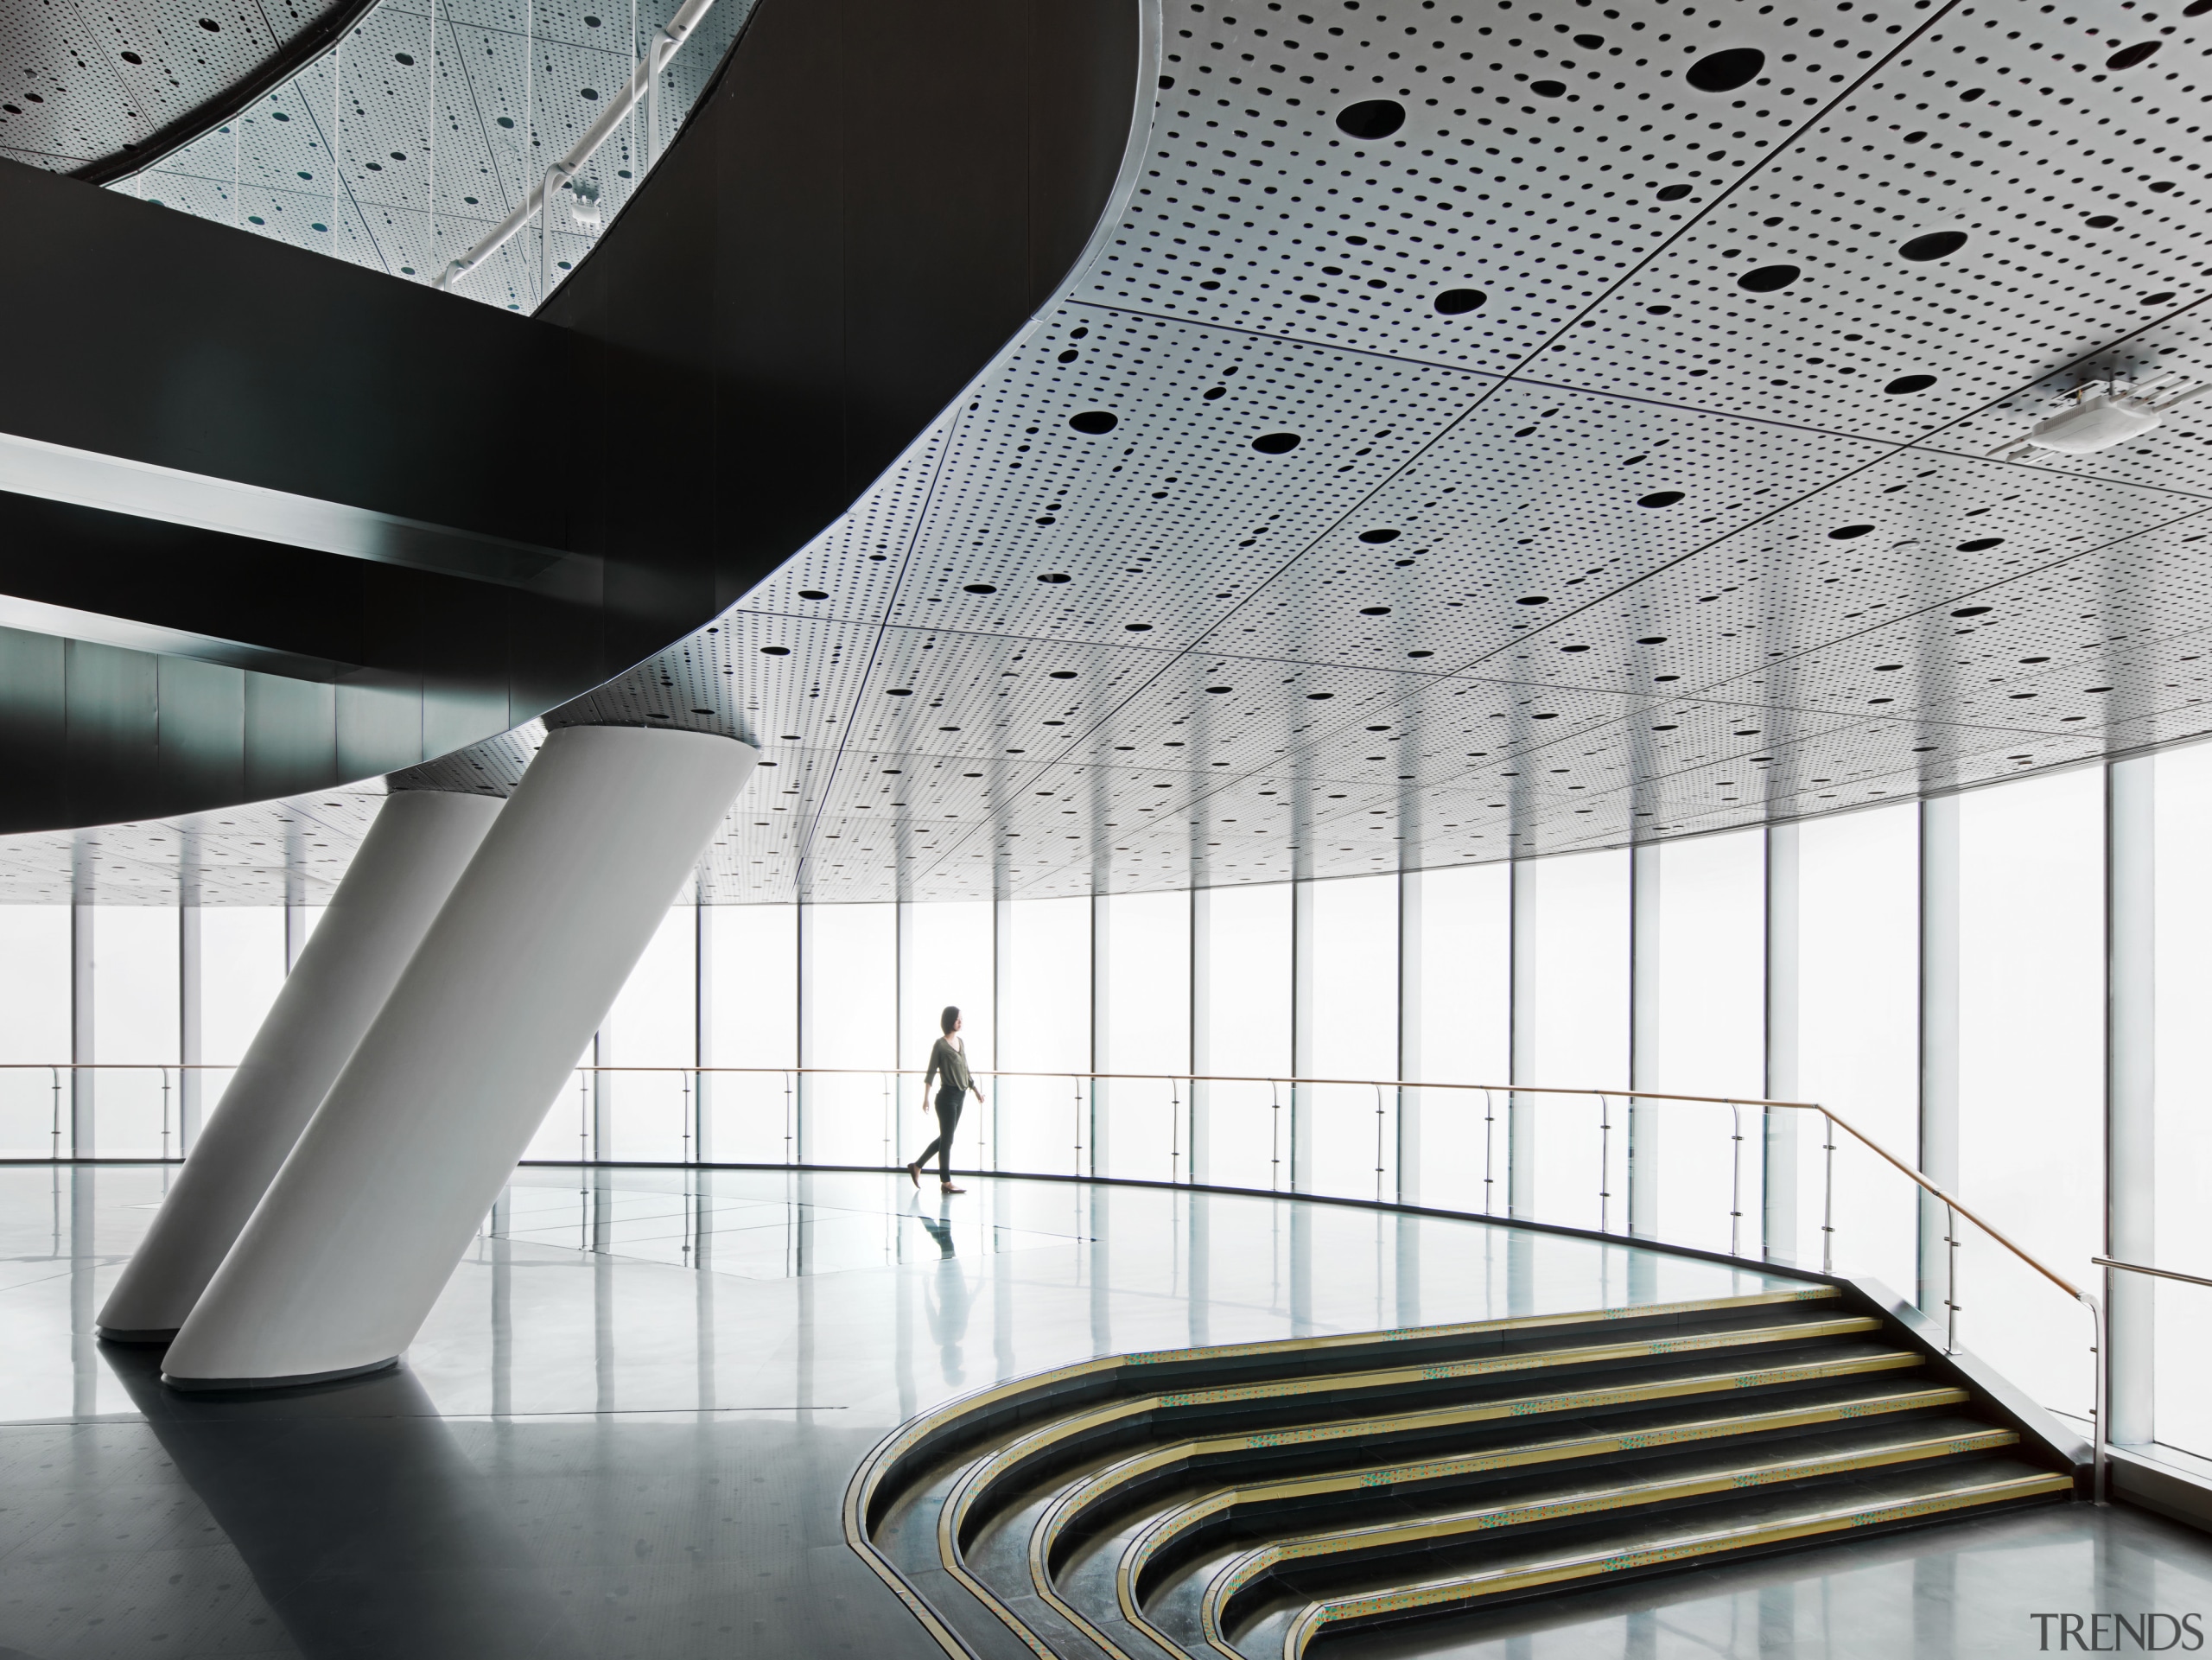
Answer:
(1445, 1594)
(1164, 1528)
(884, 1458)
(952, 1516)
(1009, 1459)
(1241, 1571)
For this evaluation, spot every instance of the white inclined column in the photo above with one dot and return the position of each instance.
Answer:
(407, 865)
(359, 1232)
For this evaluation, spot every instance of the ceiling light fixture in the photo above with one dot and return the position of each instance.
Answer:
(2102, 414)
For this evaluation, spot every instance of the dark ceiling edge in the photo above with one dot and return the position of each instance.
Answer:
(197, 123)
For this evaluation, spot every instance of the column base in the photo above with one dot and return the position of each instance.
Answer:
(120, 1334)
(211, 1385)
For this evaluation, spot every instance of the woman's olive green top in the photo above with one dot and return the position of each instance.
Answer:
(948, 1063)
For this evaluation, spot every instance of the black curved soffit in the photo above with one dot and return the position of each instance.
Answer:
(833, 248)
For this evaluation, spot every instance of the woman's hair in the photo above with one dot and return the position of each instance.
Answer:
(947, 1020)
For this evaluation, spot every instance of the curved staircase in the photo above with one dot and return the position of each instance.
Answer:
(1246, 1503)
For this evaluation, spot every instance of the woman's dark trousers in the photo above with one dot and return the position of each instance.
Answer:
(949, 1103)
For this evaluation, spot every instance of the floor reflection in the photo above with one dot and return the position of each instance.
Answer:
(948, 1293)
(364, 1525)
(627, 1427)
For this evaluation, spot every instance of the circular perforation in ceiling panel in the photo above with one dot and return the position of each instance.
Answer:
(853, 568)
(1529, 168)
(2011, 145)
(490, 767)
(259, 854)
(952, 692)
(1526, 511)
(1172, 508)
(80, 85)
(1788, 585)
(510, 90)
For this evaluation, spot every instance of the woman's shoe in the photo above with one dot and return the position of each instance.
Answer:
(914, 1175)
(947, 1187)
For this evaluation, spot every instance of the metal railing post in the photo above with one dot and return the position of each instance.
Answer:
(1490, 1146)
(1275, 1147)
(1736, 1178)
(1604, 1163)
(1827, 1201)
(2103, 1372)
(165, 1114)
(1950, 1281)
(1378, 1143)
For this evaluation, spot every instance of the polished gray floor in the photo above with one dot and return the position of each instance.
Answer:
(627, 1427)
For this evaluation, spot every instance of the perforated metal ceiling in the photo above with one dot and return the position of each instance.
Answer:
(78, 85)
(442, 116)
(1630, 548)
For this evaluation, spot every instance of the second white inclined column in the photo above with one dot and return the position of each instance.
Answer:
(361, 1229)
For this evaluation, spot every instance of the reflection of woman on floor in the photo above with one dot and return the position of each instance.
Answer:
(948, 1308)
(948, 1061)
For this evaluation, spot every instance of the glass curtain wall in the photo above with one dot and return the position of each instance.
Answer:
(1044, 1121)
(1352, 959)
(848, 1021)
(748, 991)
(2031, 1089)
(1707, 958)
(1142, 992)
(1858, 1035)
(645, 1110)
(945, 960)
(136, 1023)
(34, 1005)
(1571, 1032)
(2181, 1225)
(1457, 1027)
(1241, 1028)
(1933, 972)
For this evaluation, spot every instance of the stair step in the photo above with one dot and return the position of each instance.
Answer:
(1180, 1526)
(1784, 1518)
(1070, 1505)
(1069, 1437)
(1136, 1507)
(1090, 1493)
(1681, 1482)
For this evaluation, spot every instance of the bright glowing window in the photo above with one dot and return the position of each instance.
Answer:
(1711, 962)
(1858, 1033)
(2031, 1072)
(1355, 1009)
(1573, 912)
(654, 1025)
(849, 1007)
(135, 1019)
(752, 993)
(1463, 1029)
(34, 1025)
(1242, 1029)
(1045, 1029)
(945, 954)
(1145, 1027)
(2182, 1220)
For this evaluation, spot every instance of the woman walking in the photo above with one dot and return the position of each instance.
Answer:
(948, 1061)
